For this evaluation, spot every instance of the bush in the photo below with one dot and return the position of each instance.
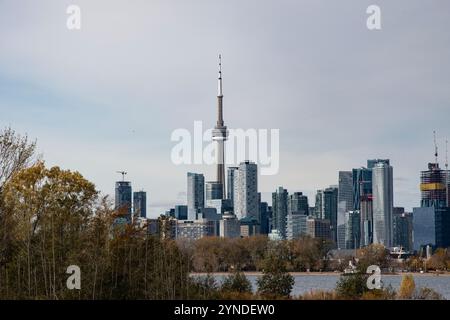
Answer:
(428, 294)
(318, 295)
(407, 287)
(352, 286)
(275, 281)
(203, 288)
(380, 294)
(237, 282)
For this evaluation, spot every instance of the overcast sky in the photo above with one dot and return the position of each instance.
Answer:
(107, 97)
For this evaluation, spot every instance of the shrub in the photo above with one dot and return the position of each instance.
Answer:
(352, 286)
(237, 282)
(428, 294)
(275, 281)
(407, 287)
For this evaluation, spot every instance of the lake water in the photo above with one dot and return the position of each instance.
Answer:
(307, 283)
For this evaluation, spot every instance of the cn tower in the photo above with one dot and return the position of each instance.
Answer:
(220, 134)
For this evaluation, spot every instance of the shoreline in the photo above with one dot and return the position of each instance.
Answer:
(327, 274)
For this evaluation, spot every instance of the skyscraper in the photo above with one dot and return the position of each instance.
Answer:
(318, 207)
(362, 201)
(280, 211)
(195, 194)
(352, 229)
(220, 134)
(362, 186)
(298, 202)
(326, 207)
(231, 175)
(246, 202)
(434, 192)
(123, 197)
(140, 204)
(265, 215)
(331, 205)
(345, 203)
(383, 203)
(214, 190)
(433, 187)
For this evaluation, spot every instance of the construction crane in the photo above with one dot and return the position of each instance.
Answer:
(123, 173)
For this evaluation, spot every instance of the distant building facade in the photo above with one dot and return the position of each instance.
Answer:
(181, 212)
(229, 226)
(214, 190)
(296, 225)
(195, 229)
(424, 227)
(319, 228)
(402, 225)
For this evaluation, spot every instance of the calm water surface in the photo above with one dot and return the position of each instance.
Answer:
(307, 283)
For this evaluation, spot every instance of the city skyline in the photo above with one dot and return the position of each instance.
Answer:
(331, 83)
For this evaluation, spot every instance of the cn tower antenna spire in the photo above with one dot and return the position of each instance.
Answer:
(219, 93)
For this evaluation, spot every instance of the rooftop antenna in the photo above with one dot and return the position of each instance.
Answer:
(435, 148)
(123, 173)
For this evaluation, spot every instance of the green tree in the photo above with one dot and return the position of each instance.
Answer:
(352, 286)
(275, 281)
(237, 282)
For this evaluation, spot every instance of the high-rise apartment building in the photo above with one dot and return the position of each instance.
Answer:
(326, 208)
(195, 194)
(265, 216)
(280, 211)
(246, 202)
(352, 229)
(345, 203)
(231, 175)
